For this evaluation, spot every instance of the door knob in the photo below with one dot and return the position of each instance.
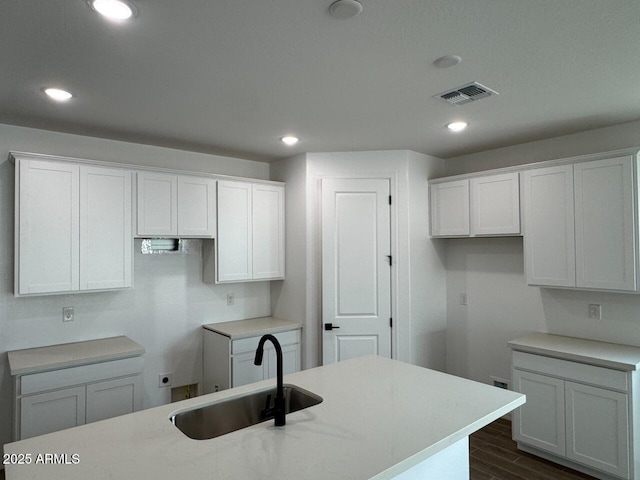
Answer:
(330, 326)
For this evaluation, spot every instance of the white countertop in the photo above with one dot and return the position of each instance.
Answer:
(252, 327)
(609, 355)
(41, 359)
(379, 418)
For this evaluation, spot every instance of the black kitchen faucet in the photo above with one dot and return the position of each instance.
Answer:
(278, 407)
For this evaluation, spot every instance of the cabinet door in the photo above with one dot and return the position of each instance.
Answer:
(450, 208)
(291, 360)
(51, 411)
(157, 204)
(47, 228)
(495, 203)
(196, 207)
(549, 247)
(268, 231)
(114, 397)
(243, 371)
(105, 228)
(604, 219)
(541, 421)
(598, 428)
(235, 247)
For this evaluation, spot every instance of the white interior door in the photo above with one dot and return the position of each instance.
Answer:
(356, 273)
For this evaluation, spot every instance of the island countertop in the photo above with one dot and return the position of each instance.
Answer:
(378, 418)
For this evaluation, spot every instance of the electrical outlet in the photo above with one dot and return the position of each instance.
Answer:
(595, 311)
(164, 380)
(231, 299)
(67, 314)
(501, 382)
(463, 299)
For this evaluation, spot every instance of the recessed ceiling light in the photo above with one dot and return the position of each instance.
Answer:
(290, 140)
(457, 126)
(113, 9)
(447, 61)
(345, 8)
(58, 94)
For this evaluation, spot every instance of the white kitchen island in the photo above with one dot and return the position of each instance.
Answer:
(379, 419)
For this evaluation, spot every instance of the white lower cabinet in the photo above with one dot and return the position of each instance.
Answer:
(580, 414)
(229, 363)
(597, 423)
(541, 424)
(52, 411)
(49, 401)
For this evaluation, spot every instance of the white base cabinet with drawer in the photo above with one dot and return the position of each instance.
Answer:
(229, 363)
(66, 385)
(46, 402)
(578, 414)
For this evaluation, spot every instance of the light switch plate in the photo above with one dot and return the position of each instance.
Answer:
(595, 311)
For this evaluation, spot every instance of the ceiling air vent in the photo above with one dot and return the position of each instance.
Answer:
(466, 93)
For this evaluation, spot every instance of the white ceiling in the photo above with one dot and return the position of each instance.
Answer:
(233, 76)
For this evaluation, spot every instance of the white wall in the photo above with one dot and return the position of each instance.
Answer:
(164, 310)
(426, 263)
(419, 312)
(491, 271)
(289, 297)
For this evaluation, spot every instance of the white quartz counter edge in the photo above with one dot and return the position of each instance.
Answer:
(252, 327)
(379, 418)
(52, 357)
(603, 354)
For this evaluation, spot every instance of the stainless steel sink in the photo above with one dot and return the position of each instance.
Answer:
(235, 413)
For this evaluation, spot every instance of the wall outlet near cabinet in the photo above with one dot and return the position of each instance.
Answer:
(231, 299)
(463, 299)
(501, 382)
(595, 311)
(67, 314)
(164, 380)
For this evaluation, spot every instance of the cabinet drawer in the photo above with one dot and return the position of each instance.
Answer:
(580, 372)
(251, 344)
(67, 377)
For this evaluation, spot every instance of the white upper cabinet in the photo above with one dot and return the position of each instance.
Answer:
(581, 225)
(250, 241)
(157, 204)
(234, 242)
(495, 205)
(487, 205)
(73, 227)
(549, 234)
(605, 224)
(196, 206)
(176, 205)
(450, 209)
(47, 227)
(268, 231)
(105, 228)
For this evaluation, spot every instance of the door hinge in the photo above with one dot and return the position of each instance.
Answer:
(391, 323)
(389, 199)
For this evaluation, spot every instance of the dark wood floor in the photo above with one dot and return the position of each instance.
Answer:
(494, 456)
